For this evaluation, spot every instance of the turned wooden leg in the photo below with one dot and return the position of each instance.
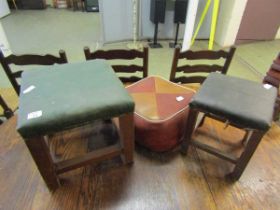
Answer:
(190, 125)
(126, 123)
(246, 155)
(42, 157)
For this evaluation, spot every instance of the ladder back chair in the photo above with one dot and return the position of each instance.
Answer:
(198, 68)
(120, 54)
(273, 78)
(27, 59)
(6, 110)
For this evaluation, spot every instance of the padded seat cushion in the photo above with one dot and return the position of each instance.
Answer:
(240, 101)
(70, 95)
(160, 117)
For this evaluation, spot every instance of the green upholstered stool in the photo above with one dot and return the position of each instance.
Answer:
(62, 97)
(241, 103)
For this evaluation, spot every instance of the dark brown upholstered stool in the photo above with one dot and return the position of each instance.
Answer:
(62, 97)
(161, 112)
(241, 103)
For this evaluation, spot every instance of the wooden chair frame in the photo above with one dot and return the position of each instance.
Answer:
(28, 59)
(122, 54)
(7, 111)
(199, 55)
(50, 170)
(251, 139)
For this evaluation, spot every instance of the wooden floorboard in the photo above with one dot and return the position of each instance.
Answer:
(154, 181)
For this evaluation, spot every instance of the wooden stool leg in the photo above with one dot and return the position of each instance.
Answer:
(42, 157)
(126, 123)
(190, 125)
(246, 155)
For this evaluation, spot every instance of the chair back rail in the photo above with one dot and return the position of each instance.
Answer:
(121, 54)
(199, 68)
(28, 59)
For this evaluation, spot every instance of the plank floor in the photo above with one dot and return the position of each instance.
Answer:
(154, 181)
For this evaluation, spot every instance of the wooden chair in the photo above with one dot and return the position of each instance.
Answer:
(124, 55)
(27, 59)
(7, 112)
(198, 68)
(273, 78)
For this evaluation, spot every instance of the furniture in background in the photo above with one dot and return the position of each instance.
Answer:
(27, 59)
(31, 4)
(6, 110)
(273, 78)
(78, 4)
(125, 56)
(56, 104)
(198, 68)
(241, 103)
(92, 5)
(160, 113)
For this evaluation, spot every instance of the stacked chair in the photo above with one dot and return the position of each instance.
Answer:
(273, 78)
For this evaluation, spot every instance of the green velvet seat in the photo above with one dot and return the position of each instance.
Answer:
(237, 102)
(61, 97)
(70, 95)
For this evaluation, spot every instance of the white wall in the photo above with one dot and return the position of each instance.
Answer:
(117, 20)
(278, 34)
(229, 19)
(4, 44)
(4, 8)
(5, 47)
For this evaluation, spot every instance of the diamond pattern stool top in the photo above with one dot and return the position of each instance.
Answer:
(159, 99)
(161, 110)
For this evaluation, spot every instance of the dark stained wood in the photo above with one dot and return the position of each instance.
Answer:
(28, 59)
(126, 124)
(42, 157)
(250, 144)
(202, 68)
(199, 68)
(7, 111)
(193, 79)
(121, 54)
(50, 169)
(36, 59)
(155, 181)
(115, 54)
(89, 158)
(215, 152)
(127, 69)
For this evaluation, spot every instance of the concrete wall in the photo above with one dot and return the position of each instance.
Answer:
(229, 19)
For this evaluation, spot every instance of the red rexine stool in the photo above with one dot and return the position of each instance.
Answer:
(160, 113)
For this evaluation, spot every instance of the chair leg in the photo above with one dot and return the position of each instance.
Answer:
(42, 157)
(190, 125)
(126, 123)
(15, 5)
(246, 155)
